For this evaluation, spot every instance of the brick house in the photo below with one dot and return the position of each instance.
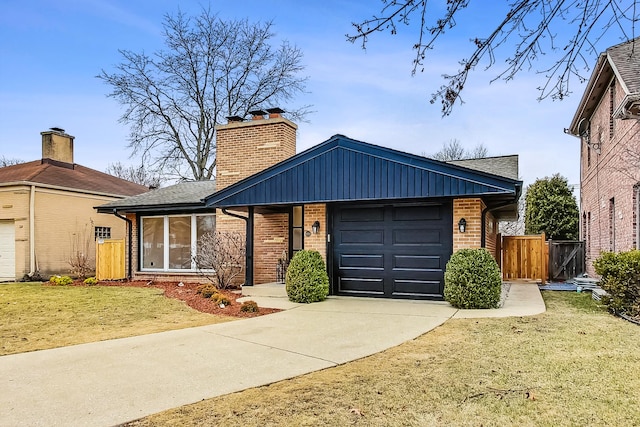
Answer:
(607, 122)
(385, 222)
(47, 207)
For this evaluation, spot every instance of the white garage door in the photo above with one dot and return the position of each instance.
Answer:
(7, 251)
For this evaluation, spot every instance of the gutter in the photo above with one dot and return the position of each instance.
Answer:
(483, 222)
(248, 279)
(130, 245)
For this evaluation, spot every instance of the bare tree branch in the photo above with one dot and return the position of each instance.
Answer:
(564, 31)
(453, 150)
(210, 69)
(139, 175)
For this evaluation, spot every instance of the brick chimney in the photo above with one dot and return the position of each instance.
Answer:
(247, 147)
(57, 145)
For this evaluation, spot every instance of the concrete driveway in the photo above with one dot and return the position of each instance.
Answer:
(111, 382)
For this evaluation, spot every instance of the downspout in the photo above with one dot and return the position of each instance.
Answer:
(130, 245)
(248, 280)
(32, 231)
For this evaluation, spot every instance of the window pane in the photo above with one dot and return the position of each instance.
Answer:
(297, 239)
(152, 242)
(180, 242)
(297, 216)
(205, 224)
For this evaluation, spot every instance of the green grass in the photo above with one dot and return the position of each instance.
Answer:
(574, 365)
(35, 317)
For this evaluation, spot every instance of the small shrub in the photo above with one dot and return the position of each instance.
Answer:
(472, 280)
(249, 307)
(620, 273)
(90, 281)
(207, 290)
(61, 280)
(220, 298)
(306, 279)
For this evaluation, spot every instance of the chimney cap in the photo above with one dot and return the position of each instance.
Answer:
(235, 118)
(275, 110)
(57, 129)
(257, 112)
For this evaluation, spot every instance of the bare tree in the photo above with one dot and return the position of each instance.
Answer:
(220, 257)
(453, 150)
(139, 174)
(6, 161)
(565, 30)
(210, 69)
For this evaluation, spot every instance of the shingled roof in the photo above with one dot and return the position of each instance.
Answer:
(184, 195)
(68, 176)
(625, 59)
(622, 61)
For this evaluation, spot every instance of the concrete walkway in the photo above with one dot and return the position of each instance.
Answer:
(111, 382)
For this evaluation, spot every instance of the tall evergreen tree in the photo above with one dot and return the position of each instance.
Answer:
(551, 208)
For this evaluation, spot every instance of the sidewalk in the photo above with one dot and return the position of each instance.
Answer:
(111, 382)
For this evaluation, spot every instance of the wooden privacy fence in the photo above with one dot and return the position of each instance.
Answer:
(525, 257)
(110, 260)
(566, 259)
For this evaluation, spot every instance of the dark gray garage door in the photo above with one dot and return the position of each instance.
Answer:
(391, 251)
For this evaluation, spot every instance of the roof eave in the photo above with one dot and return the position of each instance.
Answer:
(581, 111)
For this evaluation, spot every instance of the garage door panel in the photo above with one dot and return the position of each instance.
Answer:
(416, 288)
(362, 214)
(417, 263)
(360, 237)
(417, 213)
(417, 237)
(352, 261)
(361, 286)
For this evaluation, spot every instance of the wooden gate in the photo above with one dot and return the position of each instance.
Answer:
(524, 257)
(566, 259)
(110, 260)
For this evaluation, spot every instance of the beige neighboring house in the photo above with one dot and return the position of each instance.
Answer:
(47, 209)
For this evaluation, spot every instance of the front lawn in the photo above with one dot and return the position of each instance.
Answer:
(34, 316)
(574, 365)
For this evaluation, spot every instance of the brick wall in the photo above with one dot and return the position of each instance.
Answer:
(61, 217)
(471, 211)
(317, 242)
(245, 148)
(271, 240)
(608, 179)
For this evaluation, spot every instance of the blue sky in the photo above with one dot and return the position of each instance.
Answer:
(52, 50)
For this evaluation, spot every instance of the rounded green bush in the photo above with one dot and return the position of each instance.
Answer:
(472, 280)
(306, 279)
(620, 277)
(90, 281)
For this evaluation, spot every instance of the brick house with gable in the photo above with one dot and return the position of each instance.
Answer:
(385, 222)
(607, 122)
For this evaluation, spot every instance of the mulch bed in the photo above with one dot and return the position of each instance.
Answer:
(187, 292)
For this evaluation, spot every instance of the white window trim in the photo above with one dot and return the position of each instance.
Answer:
(165, 247)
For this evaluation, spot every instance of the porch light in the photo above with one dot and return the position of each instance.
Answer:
(462, 225)
(315, 227)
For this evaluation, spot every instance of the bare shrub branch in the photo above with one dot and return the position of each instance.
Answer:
(80, 259)
(220, 257)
